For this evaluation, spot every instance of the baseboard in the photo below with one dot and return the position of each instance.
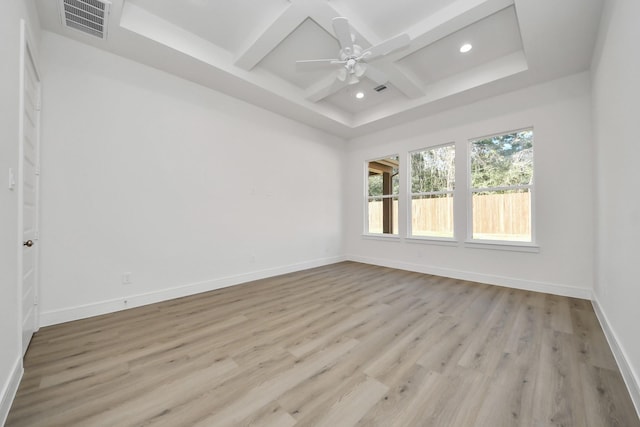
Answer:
(9, 390)
(510, 282)
(631, 378)
(54, 317)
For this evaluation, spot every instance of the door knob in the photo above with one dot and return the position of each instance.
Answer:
(28, 243)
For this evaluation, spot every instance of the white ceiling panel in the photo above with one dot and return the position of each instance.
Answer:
(389, 18)
(346, 100)
(493, 37)
(308, 41)
(227, 24)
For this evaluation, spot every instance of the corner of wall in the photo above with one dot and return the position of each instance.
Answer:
(630, 377)
(489, 279)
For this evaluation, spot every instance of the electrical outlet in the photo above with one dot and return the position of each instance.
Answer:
(126, 278)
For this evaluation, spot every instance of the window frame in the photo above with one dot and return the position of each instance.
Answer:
(518, 245)
(366, 232)
(411, 194)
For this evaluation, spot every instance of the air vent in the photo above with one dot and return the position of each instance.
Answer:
(88, 16)
(379, 88)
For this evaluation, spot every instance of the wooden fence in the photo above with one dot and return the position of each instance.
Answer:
(495, 216)
(375, 216)
(432, 217)
(505, 216)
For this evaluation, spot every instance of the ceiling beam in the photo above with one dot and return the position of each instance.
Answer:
(294, 15)
(404, 82)
(277, 31)
(325, 87)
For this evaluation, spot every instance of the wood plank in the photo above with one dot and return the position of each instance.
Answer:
(605, 397)
(557, 399)
(349, 408)
(402, 405)
(261, 394)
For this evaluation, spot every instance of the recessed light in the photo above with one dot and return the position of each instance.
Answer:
(360, 95)
(465, 48)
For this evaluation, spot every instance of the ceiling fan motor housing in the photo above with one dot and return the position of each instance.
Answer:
(350, 52)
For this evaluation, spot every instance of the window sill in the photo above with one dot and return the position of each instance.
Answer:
(432, 241)
(387, 237)
(503, 246)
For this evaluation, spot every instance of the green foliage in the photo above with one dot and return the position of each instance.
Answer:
(375, 185)
(375, 181)
(433, 170)
(502, 161)
(498, 161)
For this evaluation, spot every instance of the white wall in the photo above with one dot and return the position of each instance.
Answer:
(10, 323)
(616, 93)
(184, 187)
(560, 112)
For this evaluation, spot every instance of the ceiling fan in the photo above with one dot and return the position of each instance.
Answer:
(352, 59)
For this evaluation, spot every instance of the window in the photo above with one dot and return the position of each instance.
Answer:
(383, 185)
(501, 187)
(432, 184)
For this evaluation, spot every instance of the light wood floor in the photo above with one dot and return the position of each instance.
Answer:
(348, 344)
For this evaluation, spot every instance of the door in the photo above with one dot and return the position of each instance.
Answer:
(29, 186)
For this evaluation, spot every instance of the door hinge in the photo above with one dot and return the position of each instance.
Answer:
(38, 170)
(35, 300)
(39, 101)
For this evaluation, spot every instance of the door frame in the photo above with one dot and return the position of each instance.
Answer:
(27, 50)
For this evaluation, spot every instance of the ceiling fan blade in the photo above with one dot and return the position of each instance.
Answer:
(376, 75)
(386, 47)
(343, 33)
(341, 74)
(316, 64)
(336, 86)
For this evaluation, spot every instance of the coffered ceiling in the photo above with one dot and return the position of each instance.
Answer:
(248, 49)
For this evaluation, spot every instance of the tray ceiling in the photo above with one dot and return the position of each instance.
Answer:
(248, 49)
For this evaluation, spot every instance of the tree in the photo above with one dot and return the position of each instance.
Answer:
(375, 180)
(502, 161)
(433, 170)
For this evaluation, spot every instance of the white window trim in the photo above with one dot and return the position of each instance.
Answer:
(381, 236)
(438, 241)
(386, 196)
(365, 176)
(507, 245)
(502, 245)
(445, 241)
